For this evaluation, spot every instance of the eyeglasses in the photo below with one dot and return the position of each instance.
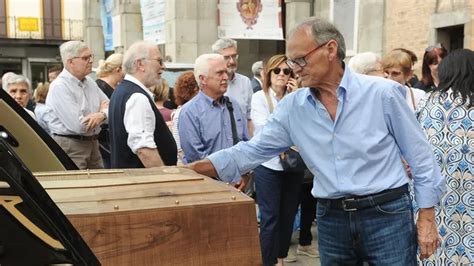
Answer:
(301, 61)
(159, 60)
(85, 58)
(277, 71)
(432, 47)
(233, 56)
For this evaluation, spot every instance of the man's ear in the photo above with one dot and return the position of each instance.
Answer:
(202, 79)
(332, 48)
(139, 65)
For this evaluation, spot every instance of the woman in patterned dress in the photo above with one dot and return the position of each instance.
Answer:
(447, 117)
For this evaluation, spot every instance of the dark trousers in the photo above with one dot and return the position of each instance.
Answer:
(308, 214)
(277, 198)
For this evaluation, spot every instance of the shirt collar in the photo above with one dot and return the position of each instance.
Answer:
(136, 81)
(342, 90)
(68, 75)
(211, 102)
(234, 78)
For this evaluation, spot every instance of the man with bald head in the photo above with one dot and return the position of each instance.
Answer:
(351, 131)
(139, 136)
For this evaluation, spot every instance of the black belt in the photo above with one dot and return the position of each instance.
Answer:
(362, 202)
(78, 137)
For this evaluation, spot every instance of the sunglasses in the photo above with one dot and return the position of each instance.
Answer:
(277, 71)
(432, 47)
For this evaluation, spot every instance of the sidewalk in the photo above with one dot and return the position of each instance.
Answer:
(301, 259)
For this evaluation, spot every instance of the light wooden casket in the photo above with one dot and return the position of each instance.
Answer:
(160, 216)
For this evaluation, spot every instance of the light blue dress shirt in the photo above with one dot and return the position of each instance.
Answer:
(204, 127)
(357, 154)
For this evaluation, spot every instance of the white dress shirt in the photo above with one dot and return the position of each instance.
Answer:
(417, 96)
(259, 114)
(240, 88)
(71, 100)
(44, 116)
(139, 119)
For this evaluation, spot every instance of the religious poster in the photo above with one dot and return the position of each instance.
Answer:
(153, 18)
(250, 19)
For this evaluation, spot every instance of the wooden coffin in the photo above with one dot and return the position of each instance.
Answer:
(160, 216)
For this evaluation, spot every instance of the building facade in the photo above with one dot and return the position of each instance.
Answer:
(31, 32)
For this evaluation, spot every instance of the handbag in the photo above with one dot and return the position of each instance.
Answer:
(292, 162)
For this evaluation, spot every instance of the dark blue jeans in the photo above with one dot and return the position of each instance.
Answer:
(277, 198)
(381, 235)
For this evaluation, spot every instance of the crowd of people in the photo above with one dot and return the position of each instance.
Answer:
(377, 142)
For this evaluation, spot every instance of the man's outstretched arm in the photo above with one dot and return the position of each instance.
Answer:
(203, 167)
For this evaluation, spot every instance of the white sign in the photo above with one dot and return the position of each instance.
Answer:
(153, 18)
(250, 19)
(117, 36)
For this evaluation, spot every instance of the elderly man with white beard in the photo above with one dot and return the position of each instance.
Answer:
(139, 137)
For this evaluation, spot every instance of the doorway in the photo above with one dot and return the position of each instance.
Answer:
(39, 71)
(451, 37)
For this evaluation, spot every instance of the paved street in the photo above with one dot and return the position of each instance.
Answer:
(301, 259)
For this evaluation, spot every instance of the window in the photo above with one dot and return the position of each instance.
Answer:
(344, 14)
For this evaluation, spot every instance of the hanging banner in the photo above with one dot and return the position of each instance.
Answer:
(250, 19)
(153, 19)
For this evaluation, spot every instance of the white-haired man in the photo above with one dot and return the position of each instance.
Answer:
(19, 88)
(239, 86)
(367, 63)
(139, 136)
(206, 122)
(79, 105)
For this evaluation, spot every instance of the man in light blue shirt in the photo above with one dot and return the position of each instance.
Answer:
(351, 130)
(205, 124)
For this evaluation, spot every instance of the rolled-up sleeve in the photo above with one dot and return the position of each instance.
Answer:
(429, 184)
(139, 121)
(274, 138)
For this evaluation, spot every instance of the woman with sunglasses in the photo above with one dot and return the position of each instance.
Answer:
(429, 70)
(277, 190)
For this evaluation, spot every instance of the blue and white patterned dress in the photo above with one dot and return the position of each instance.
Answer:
(449, 126)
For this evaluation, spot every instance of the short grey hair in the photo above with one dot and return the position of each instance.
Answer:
(17, 79)
(71, 49)
(256, 68)
(201, 65)
(364, 63)
(6, 77)
(323, 31)
(223, 44)
(138, 50)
